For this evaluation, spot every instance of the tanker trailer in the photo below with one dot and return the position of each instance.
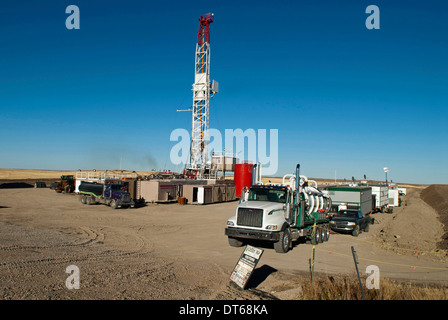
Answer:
(113, 195)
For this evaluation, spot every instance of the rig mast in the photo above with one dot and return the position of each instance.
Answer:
(203, 90)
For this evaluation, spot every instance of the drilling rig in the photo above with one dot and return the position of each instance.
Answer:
(203, 90)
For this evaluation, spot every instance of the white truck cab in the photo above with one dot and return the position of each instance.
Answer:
(280, 213)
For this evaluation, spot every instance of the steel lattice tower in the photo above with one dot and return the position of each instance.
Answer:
(202, 92)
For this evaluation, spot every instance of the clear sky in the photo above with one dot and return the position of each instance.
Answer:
(344, 99)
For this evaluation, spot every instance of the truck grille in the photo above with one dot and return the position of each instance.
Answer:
(341, 224)
(125, 197)
(250, 217)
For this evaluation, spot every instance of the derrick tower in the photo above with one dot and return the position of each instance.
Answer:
(203, 90)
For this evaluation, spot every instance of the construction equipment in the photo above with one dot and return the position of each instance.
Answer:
(66, 184)
(281, 213)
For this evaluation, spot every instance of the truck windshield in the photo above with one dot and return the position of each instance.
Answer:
(117, 187)
(256, 194)
(348, 214)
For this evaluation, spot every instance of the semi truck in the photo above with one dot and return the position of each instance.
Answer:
(113, 195)
(281, 213)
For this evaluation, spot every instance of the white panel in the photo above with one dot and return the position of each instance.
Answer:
(77, 183)
(200, 78)
(215, 86)
(393, 198)
(201, 195)
(199, 91)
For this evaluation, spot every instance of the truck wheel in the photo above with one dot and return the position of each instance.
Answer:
(326, 230)
(315, 238)
(282, 245)
(114, 204)
(89, 200)
(83, 200)
(355, 231)
(233, 242)
(67, 189)
(322, 234)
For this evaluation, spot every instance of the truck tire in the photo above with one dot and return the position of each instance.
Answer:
(83, 199)
(355, 231)
(321, 234)
(90, 200)
(114, 204)
(233, 242)
(283, 244)
(326, 229)
(315, 237)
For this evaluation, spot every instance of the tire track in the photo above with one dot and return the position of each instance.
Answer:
(95, 237)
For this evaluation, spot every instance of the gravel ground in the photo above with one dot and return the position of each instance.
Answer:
(174, 252)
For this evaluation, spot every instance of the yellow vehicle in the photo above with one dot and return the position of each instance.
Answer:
(66, 184)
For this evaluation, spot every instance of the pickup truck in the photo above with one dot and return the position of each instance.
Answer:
(352, 221)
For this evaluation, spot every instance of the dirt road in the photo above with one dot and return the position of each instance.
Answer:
(180, 252)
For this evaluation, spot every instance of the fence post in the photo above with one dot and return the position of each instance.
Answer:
(312, 263)
(355, 258)
(314, 251)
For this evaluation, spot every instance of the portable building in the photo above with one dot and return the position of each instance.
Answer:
(381, 195)
(357, 198)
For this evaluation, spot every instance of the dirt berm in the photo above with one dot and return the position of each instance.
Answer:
(436, 196)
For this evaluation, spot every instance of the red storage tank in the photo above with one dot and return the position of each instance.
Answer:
(242, 177)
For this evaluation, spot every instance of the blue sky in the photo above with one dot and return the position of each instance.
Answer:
(344, 98)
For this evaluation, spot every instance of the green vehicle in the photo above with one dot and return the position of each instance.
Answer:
(281, 214)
